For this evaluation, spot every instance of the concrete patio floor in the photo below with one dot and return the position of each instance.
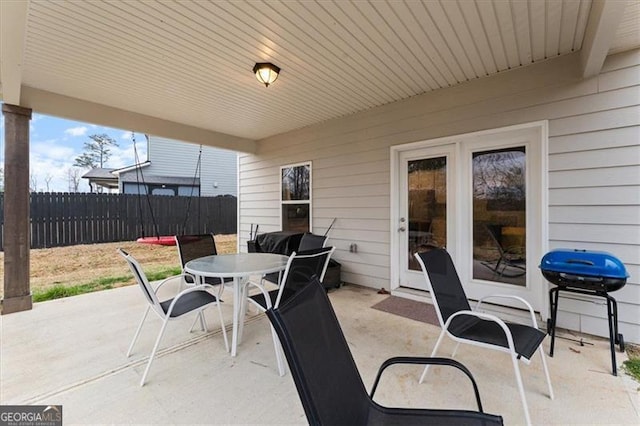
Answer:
(72, 352)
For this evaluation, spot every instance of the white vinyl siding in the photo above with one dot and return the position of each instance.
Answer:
(594, 165)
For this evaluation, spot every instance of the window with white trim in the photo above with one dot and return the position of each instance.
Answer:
(295, 197)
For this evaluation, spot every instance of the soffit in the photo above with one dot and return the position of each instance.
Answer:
(190, 62)
(628, 33)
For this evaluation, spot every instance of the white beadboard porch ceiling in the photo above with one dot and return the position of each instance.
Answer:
(190, 62)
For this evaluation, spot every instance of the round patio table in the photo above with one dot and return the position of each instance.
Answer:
(239, 266)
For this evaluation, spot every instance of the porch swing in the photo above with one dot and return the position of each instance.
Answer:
(164, 240)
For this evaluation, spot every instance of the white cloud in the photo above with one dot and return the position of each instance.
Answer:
(51, 150)
(124, 156)
(76, 131)
(51, 160)
(45, 168)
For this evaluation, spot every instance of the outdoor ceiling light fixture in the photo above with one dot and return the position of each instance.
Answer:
(266, 72)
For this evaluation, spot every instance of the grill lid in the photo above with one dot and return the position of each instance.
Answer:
(586, 263)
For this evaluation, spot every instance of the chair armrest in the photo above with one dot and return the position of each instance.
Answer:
(427, 361)
(263, 290)
(166, 280)
(508, 296)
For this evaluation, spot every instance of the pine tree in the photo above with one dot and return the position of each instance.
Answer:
(96, 153)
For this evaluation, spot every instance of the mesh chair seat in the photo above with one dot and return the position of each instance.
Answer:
(526, 339)
(188, 303)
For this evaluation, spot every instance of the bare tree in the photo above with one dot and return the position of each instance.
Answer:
(33, 183)
(73, 176)
(295, 182)
(47, 180)
(499, 175)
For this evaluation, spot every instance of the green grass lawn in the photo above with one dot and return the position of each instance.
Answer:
(632, 365)
(59, 291)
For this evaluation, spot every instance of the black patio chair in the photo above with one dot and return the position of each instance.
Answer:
(311, 242)
(465, 325)
(308, 241)
(300, 268)
(327, 378)
(194, 246)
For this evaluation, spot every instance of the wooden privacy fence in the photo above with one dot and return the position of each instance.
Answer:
(65, 219)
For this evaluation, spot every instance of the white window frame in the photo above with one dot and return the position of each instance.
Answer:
(309, 201)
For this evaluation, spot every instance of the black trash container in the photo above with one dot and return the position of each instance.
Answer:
(332, 277)
(279, 242)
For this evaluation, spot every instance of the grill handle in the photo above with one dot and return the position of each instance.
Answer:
(581, 278)
(580, 261)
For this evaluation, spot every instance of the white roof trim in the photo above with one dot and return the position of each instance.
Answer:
(129, 168)
(600, 33)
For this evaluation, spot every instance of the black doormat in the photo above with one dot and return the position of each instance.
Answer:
(418, 311)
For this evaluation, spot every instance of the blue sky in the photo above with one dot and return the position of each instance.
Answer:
(55, 143)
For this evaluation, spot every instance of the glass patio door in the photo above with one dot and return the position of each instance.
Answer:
(426, 176)
(482, 197)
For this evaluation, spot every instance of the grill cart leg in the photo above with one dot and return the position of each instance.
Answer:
(612, 315)
(551, 326)
(619, 338)
(616, 337)
(613, 335)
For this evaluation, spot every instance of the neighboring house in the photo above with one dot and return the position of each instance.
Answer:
(574, 143)
(101, 177)
(172, 169)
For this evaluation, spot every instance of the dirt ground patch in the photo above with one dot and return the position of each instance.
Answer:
(633, 350)
(83, 263)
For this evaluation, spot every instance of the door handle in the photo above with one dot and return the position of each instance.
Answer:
(402, 229)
